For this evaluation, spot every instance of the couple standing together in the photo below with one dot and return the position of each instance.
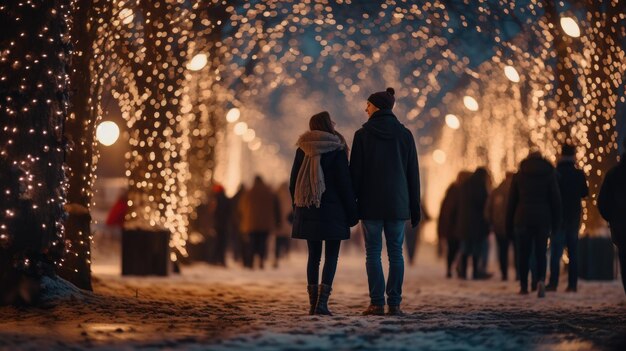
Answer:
(380, 186)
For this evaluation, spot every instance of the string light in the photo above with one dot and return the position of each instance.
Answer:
(34, 87)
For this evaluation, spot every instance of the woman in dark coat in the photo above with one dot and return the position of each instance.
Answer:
(325, 205)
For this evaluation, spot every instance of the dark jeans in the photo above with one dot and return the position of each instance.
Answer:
(394, 235)
(453, 250)
(504, 242)
(484, 255)
(330, 261)
(473, 248)
(567, 236)
(259, 246)
(282, 246)
(622, 264)
(532, 239)
(411, 236)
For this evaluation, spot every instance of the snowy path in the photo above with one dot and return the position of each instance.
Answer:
(223, 309)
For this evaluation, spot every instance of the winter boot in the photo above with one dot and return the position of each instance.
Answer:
(395, 311)
(541, 289)
(322, 300)
(374, 310)
(312, 289)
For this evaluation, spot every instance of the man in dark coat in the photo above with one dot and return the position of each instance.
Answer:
(612, 206)
(385, 177)
(447, 222)
(495, 213)
(573, 187)
(471, 220)
(533, 211)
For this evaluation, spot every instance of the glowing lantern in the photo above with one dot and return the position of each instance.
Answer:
(511, 73)
(233, 115)
(107, 133)
(570, 27)
(453, 121)
(470, 103)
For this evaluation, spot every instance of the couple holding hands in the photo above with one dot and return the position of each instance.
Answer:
(379, 186)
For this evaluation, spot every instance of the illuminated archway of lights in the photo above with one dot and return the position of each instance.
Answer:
(280, 62)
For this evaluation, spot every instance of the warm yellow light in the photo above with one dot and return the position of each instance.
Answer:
(453, 121)
(127, 16)
(570, 27)
(240, 128)
(249, 135)
(197, 62)
(439, 156)
(107, 133)
(511, 73)
(255, 145)
(470, 103)
(233, 115)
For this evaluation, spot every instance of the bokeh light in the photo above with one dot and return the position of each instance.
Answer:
(453, 121)
(439, 156)
(198, 62)
(511, 73)
(470, 103)
(233, 115)
(570, 27)
(107, 133)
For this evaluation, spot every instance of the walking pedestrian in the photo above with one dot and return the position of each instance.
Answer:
(533, 211)
(471, 220)
(447, 223)
(495, 213)
(385, 175)
(573, 188)
(325, 206)
(259, 214)
(612, 206)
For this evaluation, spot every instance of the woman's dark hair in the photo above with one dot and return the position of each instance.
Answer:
(321, 121)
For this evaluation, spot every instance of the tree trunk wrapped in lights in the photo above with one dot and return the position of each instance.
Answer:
(149, 42)
(590, 71)
(35, 48)
(80, 130)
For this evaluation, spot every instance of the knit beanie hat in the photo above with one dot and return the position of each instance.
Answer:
(384, 100)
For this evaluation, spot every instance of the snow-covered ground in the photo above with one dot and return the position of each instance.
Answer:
(208, 308)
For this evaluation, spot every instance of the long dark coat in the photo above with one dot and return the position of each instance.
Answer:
(337, 211)
(385, 171)
(495, 211)
(612, 201)
(471, 220)
(573, 187)
(446, 224)
(534, 197)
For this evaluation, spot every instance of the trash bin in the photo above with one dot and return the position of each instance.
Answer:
(145, 252)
